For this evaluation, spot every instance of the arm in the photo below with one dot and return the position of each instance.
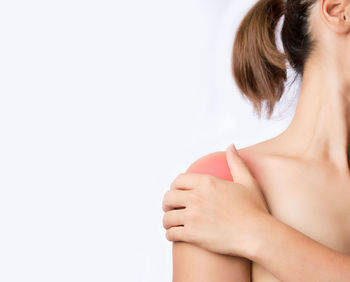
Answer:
(292, 256)
(215, 209)
(192, 263)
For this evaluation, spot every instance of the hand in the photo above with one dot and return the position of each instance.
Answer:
(215, 214)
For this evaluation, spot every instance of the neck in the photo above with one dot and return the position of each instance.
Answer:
(320, 129)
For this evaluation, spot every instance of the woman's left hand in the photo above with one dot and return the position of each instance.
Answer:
(215, 214)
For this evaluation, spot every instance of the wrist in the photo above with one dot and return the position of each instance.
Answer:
(262, 231)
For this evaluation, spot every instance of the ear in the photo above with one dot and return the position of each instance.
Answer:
(336, 15)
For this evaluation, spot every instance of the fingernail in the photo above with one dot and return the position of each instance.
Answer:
(233, 147)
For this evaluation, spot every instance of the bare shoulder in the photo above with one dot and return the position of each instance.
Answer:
(215, 163)
(188, 258)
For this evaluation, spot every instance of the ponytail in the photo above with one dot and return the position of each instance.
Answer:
(258, 67)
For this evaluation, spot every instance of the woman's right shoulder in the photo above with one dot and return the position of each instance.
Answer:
(213, 163)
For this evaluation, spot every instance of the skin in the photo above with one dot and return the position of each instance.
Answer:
(303, 175)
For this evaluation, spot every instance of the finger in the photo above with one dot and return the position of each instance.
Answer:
(176, 233)
(174, 199)
(173, 218)
(239, 170)
(187, 181)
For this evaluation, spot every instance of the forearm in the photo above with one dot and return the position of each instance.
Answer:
(292, 256)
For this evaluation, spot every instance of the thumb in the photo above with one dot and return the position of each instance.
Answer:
(239, 170)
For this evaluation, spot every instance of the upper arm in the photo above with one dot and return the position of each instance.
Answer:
(192, 263)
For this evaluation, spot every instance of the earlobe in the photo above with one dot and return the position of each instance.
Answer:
(346, 22)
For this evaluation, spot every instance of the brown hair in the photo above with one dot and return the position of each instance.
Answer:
(258, 67)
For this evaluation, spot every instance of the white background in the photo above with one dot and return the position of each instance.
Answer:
(102, 104)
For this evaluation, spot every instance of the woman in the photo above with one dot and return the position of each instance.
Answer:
(286, 214)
